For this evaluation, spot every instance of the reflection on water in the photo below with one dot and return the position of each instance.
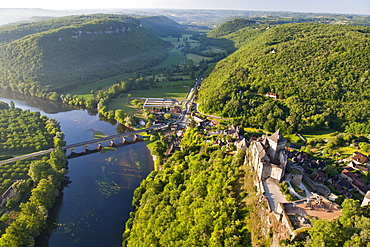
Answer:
(93, 208)
(96, 203)
(43, 105)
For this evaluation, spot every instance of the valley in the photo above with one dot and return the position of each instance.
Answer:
(269, 116)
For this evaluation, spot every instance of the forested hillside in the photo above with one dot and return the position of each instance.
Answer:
(230, 27)
(162, 26)
(13, 32)
(193, 201)
(319, 72)
(62, 53)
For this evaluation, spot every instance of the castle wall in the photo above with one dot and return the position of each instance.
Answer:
(276, 172)
(322, 189)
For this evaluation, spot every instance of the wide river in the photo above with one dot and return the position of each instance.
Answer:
(95, 205)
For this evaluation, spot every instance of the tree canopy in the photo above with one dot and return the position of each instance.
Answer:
(319, 72)
(55, 56)
(192, 201)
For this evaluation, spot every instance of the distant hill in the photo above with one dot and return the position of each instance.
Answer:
(58, 54)
(320, 71)
(206, 18)
(162, 25)
(230, 27)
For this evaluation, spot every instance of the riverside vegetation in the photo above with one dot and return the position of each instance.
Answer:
(37, 182)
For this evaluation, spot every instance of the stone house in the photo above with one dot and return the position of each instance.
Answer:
(359, 158)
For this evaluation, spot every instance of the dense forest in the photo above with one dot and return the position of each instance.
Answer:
(162, 26)
(318, 72)
(59, 54)
(34, 184)
(36, 194)
(231, 27)
(193, 201)
(25, 131)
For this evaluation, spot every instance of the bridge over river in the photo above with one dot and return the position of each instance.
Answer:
(86, 144)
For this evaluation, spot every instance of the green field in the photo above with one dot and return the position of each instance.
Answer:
(348, 150)
(325, 134)
(84, 90)
(197, 58)
(163, 79)
(213, 49)
(177, 42)
(174, 56)
(168, 92)
(176, 83)
(123, 103)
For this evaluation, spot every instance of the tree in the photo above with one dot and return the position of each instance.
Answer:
(38, 170)
(192, 123)
(130, 121)
(159, 148)
(120, 115)
(325, 233)
(54, 96)
(331, 170)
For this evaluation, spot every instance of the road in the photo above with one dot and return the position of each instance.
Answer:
(42, 152)
(211, 116)
(30, 155)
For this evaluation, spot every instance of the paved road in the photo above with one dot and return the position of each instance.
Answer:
(211, 116)
(27, 156)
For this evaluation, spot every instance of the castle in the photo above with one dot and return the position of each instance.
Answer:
(268, 156)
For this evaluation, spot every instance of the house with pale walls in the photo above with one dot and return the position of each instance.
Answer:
(271, 95)
(366, 201)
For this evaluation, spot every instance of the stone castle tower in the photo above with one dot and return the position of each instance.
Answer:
(268, 156)
(276, 145)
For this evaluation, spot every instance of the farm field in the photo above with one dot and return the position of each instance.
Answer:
(175, 56)
(168, 92)
(123, 103)
(326, 134)
(84, 90)
(197, 58)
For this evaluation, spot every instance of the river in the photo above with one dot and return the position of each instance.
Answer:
(95, 205)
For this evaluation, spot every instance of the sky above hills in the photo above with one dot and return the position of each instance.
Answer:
(318, 6)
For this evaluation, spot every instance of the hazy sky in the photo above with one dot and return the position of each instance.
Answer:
(321, 6)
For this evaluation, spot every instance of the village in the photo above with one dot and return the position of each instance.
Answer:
(295, 186)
